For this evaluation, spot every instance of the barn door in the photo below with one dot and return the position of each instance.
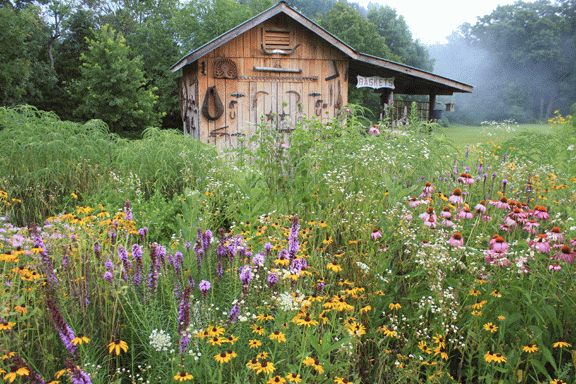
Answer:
(277, 104)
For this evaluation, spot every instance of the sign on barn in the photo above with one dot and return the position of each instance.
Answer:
(375, 82)
(281, 67)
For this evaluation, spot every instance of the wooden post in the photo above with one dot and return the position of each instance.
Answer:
(386, 100)
(431, 106)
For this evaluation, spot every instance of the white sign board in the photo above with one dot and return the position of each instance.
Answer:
(375, 82)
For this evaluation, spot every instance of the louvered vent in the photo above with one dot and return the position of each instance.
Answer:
(276, 39)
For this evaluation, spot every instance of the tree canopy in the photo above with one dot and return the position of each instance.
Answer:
(47, 48)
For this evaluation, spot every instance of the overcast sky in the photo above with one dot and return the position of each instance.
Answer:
(432, 21)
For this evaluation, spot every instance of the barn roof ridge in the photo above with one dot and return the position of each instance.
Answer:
(353, 54)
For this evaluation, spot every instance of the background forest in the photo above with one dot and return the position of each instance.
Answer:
(110, 59)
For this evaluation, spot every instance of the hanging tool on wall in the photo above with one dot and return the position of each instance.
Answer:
(212, 94)
(218, 132)
(335, 74)
(232, 112)
(318, 107)
(339, 101)
(255, 100)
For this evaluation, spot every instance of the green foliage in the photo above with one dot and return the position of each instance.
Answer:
(350, 26)
(22, 50)
(112, 85)
(398, 37)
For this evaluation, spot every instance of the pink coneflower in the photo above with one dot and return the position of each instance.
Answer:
(431, 222)
(519, 215)
(466, 178)
(376, 234)
(428, 190)
(374, 130)
(555, 268)
(446, 214)
(540, 244)
(501, 204)
(531, 226)
(414, 202)
(555, 234)
(496, 258)
(456, 240)
(428, 214)
(456, 197)
(522, 264)
(541, 212)
(480, 207)
(447, 223)
(566, 254)
(465, 214)
(486, 217)
(498, 244)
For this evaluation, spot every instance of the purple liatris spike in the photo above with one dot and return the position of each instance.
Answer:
(76, 374)
(220, 270)
(267, 248)
(246, 274)
(137, 253)
(112, 235)
(293, 244)
(184, 318)
(143, 232)
(199, 255)
(188, 245)
(258, 260)
(64, 330)
(206, 240)
(154, 267)
(123, 254)
(46, 261)
(97, 249)
(204, 287)
(234, 313)
(127, 211)
(272, 279)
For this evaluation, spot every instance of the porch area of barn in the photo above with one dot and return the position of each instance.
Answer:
(404, 91)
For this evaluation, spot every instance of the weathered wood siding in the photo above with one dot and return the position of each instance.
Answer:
(278, 98)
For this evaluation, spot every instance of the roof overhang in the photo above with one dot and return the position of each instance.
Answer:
(408, 80)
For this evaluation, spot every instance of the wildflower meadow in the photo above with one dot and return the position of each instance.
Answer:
(340, 254)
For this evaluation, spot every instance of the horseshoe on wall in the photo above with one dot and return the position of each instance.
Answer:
(212, 93)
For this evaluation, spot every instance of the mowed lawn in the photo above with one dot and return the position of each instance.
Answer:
(482, 134)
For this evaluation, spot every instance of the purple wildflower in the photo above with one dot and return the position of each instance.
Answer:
(64, 330)
(234, 313)
(293, 244)
(258, 260)
(127, 211)
(76, 374)
(184, 318)
(246, 275)
(97, 249)
(206, 239)
(46, 261)
(188, 245)
(272, 279)
(220, 270)
(137, 253)
(123, 254)
(112, 235)
(204, 287)
(143, 232)
(267, 248)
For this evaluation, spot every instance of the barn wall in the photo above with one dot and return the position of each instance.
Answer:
(285, 94)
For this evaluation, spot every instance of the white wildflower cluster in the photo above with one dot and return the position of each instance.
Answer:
(364, 267)
(287, 302)
(160, 340)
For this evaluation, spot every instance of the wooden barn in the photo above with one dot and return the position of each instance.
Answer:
(280, 66)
